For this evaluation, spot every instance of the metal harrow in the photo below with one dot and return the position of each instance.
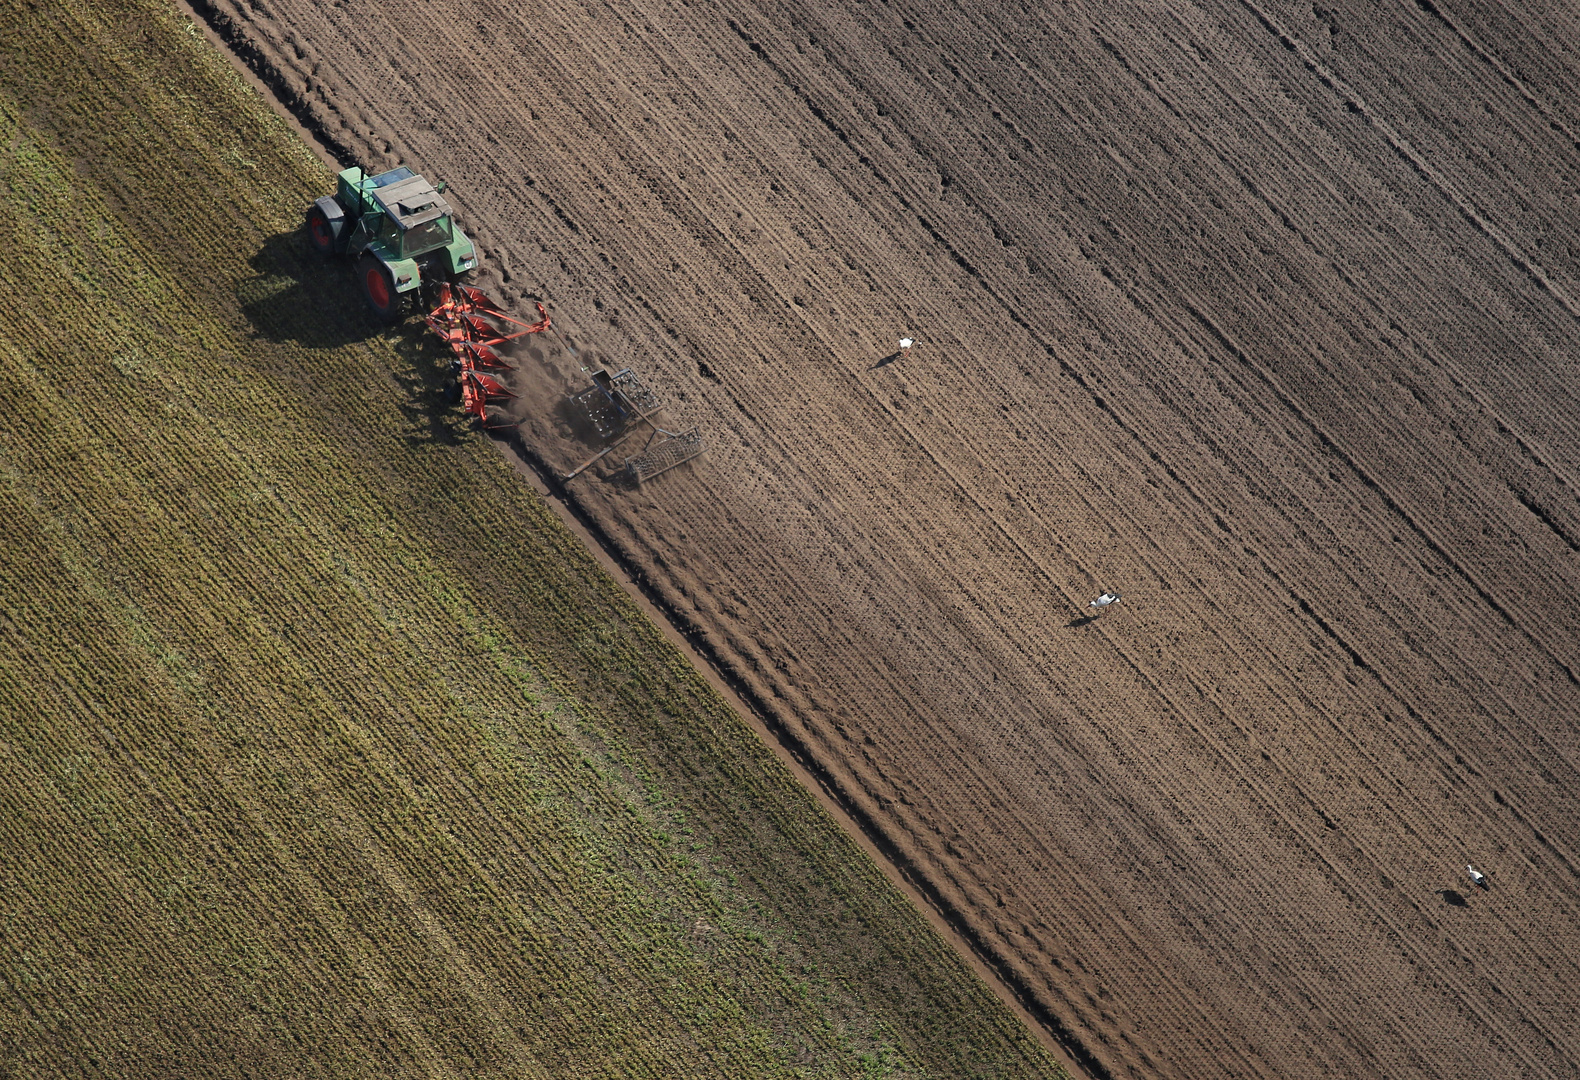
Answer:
(663, 452)
(613, 401)
(465, 319)
(619, 405)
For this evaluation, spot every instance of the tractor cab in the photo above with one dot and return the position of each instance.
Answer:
(416, 216)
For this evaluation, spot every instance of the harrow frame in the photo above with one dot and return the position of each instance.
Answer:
(618, 406)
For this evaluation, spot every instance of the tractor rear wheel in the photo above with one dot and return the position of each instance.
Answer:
(319, 232)
(379, 288)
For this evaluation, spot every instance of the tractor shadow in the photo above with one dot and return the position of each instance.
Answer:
(297, 296)
(431, 411)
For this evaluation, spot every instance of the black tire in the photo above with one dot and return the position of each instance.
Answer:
(320, 234)
(378, 287)
(452, 392)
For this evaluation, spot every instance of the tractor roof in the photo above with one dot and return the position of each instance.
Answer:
(410, 200)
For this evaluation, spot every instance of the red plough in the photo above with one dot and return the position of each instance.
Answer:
(477, 390)
(465, 319)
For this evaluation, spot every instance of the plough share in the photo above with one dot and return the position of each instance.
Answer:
(465, 320)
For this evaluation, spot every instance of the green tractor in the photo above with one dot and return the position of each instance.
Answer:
(400, 230)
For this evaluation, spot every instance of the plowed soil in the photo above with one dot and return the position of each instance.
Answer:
(1261, 314)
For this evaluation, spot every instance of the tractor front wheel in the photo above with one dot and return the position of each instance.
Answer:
(379, 288)
(319, 232)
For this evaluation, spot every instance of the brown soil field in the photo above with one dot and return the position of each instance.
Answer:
(1260, 313)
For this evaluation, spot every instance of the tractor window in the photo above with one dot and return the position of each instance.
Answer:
(426, 237)
(389, 232)
(393, 176)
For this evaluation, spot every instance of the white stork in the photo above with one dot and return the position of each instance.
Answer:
(1103, 601)
(1477, 876)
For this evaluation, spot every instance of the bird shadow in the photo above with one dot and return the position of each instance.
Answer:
(1084, 620)
(1453, 898)
(886, 361)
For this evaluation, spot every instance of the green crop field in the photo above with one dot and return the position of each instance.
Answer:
(325, 750)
